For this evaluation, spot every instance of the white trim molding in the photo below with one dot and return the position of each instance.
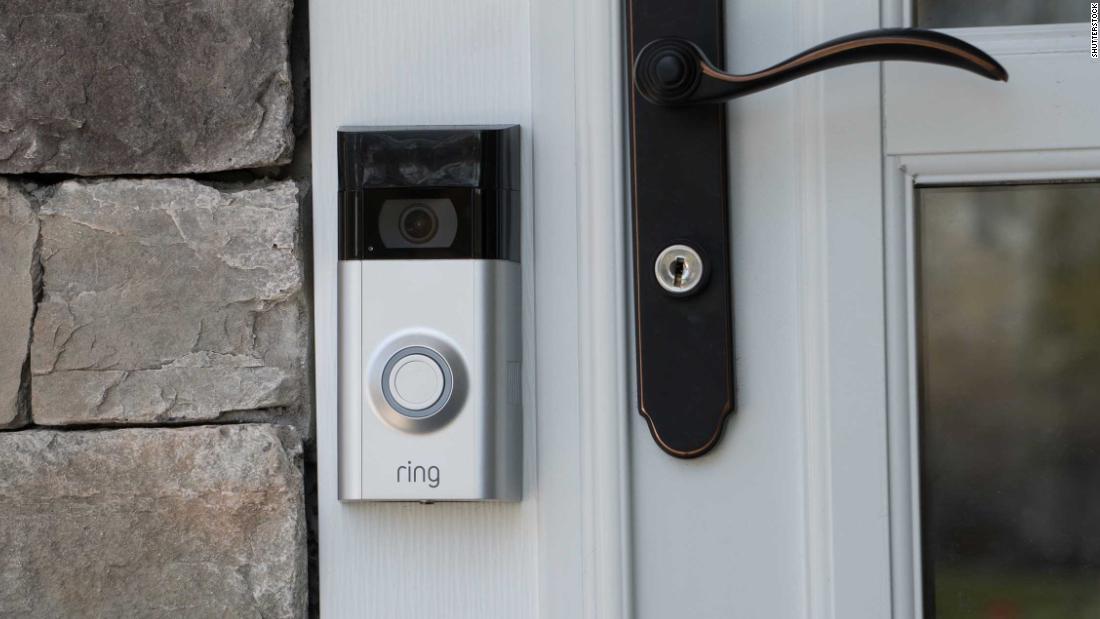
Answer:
(1037, 39)
(842, 378)
(602, 277)
(994, 167)
(814, 319)
(903, 175)
(584, 464)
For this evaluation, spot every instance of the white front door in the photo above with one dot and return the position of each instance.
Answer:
(916, 257)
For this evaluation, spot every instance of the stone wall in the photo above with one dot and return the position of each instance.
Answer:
(154, 333)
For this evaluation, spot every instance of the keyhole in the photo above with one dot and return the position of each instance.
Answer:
(678, 268)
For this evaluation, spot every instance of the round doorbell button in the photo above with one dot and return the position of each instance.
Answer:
(416, 382)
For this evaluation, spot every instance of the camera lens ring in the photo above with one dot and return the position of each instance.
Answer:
(418, 223)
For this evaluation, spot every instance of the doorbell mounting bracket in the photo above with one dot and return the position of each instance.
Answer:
(429, 314)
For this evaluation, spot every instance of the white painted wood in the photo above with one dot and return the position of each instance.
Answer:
(415, 62)
(1040, 127)
(602, 278)
(563, 552)
(813, 311)
(1031, 40)
(722, 535)
(584, 523)
(1048, 103)
(789, 516)
(901, 395)
(851, 476)
(1000, 40)
(843, 274)
(903, 174)
(955, 168)
(556, 296)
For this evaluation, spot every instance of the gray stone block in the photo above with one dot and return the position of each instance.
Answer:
(18, 267)
(204, 521)
(98, 87)
(167, 301)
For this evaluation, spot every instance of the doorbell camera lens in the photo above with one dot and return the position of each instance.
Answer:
(418, 223)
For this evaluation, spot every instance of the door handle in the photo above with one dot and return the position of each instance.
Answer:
(674, 71)
(683, 310)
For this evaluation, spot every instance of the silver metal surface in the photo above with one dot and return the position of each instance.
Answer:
(679, 269)
(349, 422)
(466, 311)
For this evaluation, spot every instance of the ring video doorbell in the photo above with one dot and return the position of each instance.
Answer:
(429, 286)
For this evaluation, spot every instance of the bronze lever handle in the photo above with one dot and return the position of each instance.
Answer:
(674, 71)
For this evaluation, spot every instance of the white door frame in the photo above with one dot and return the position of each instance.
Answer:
(904, 172)
(843, 336)
(578, 152)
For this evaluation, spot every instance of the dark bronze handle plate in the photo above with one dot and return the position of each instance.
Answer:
(685, 358)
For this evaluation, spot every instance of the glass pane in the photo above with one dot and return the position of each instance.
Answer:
(965, 13)
(1009, 324)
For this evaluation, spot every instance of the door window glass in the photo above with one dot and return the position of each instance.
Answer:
(1009, 345)
(966, 13)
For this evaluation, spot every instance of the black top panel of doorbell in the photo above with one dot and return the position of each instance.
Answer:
(429, 192)
(449, 156)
